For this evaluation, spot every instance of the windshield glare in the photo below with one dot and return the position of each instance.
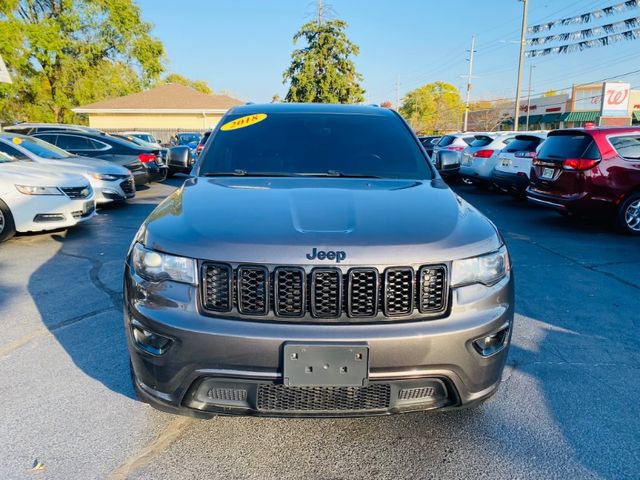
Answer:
(43, 149)
(6, 158)
(318, 143)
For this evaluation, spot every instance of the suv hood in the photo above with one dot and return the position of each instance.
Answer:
(280, 221)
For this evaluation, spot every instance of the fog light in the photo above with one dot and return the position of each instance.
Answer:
(150, 342)
(491, 344)
(48, 217)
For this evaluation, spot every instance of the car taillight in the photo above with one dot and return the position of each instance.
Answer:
(483, 153)
(526, 154)
(579, 163)
(146, 157)
(455, 149)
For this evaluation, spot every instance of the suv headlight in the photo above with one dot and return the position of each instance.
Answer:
(105, 176)
(156, 266)
(486, 269)
(31, 190)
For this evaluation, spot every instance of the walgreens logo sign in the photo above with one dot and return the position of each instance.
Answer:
(615, 99)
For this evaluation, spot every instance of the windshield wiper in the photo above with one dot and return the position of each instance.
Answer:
(336, 173)
(329, 173)
(244, 173)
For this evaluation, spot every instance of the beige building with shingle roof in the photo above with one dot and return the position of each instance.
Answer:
(167, 107)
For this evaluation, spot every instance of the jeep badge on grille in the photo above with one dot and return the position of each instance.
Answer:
(337, 255)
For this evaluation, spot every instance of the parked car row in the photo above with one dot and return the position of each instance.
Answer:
(55, 176)
(587, 172)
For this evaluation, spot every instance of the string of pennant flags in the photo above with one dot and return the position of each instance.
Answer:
(633, 34)
(628, 24)
(586, 17)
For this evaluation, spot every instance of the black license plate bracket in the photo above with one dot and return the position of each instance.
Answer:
(325, 364)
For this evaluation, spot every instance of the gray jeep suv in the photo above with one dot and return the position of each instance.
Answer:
(316, 265)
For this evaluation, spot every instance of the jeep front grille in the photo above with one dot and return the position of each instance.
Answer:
(353, 295)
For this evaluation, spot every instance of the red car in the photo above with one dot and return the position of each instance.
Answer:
(590, 171)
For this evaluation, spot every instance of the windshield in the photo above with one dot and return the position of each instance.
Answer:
(42, 149)
(481, 141)
(524, 144)
(145, 137)
(184, 138)
(317, 144)
(569, 145)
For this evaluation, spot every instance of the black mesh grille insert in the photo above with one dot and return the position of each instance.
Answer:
(398, 290)
(363, 292)
(128, 186)
(253, 290)
(326, 293)
(217, 287)
(416, 393)
(76, 192)
(432, 289)
(289, 292)
(281, 398)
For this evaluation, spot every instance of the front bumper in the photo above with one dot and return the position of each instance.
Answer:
(218, 352)
(39, 213)
(114, 191)
(515, 182)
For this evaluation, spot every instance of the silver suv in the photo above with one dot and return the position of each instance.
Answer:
(316, 264)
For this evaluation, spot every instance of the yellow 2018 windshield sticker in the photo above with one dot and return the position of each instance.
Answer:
(242, 122)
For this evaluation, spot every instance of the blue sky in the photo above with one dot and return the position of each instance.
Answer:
(243, 46)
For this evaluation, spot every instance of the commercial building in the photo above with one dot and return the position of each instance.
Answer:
(609, 103)
(162, 111)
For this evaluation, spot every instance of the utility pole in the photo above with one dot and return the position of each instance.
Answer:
(531, 67)
(469, 77)
(320, 12)
(398, 92)
(523, 40)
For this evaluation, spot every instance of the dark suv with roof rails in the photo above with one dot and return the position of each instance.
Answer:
(316, 265)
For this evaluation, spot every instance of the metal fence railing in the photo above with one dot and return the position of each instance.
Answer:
(162, 134)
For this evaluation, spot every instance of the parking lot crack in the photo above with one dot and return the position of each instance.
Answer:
(173, 431)
(94, 275)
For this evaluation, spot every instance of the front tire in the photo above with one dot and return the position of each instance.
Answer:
(628, 218)
(7, 225)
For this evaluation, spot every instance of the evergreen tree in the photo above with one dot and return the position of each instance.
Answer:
(323, 71)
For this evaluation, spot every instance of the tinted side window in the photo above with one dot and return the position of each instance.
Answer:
(13, 153)
(68, 142)
(48, 138)
(627, 146)
(469, 140)
(20, 130)
(574, 145)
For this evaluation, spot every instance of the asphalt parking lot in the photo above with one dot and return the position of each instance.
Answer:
(567, 407)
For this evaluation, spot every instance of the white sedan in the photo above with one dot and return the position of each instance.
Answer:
(35, 201)
(110, 182)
